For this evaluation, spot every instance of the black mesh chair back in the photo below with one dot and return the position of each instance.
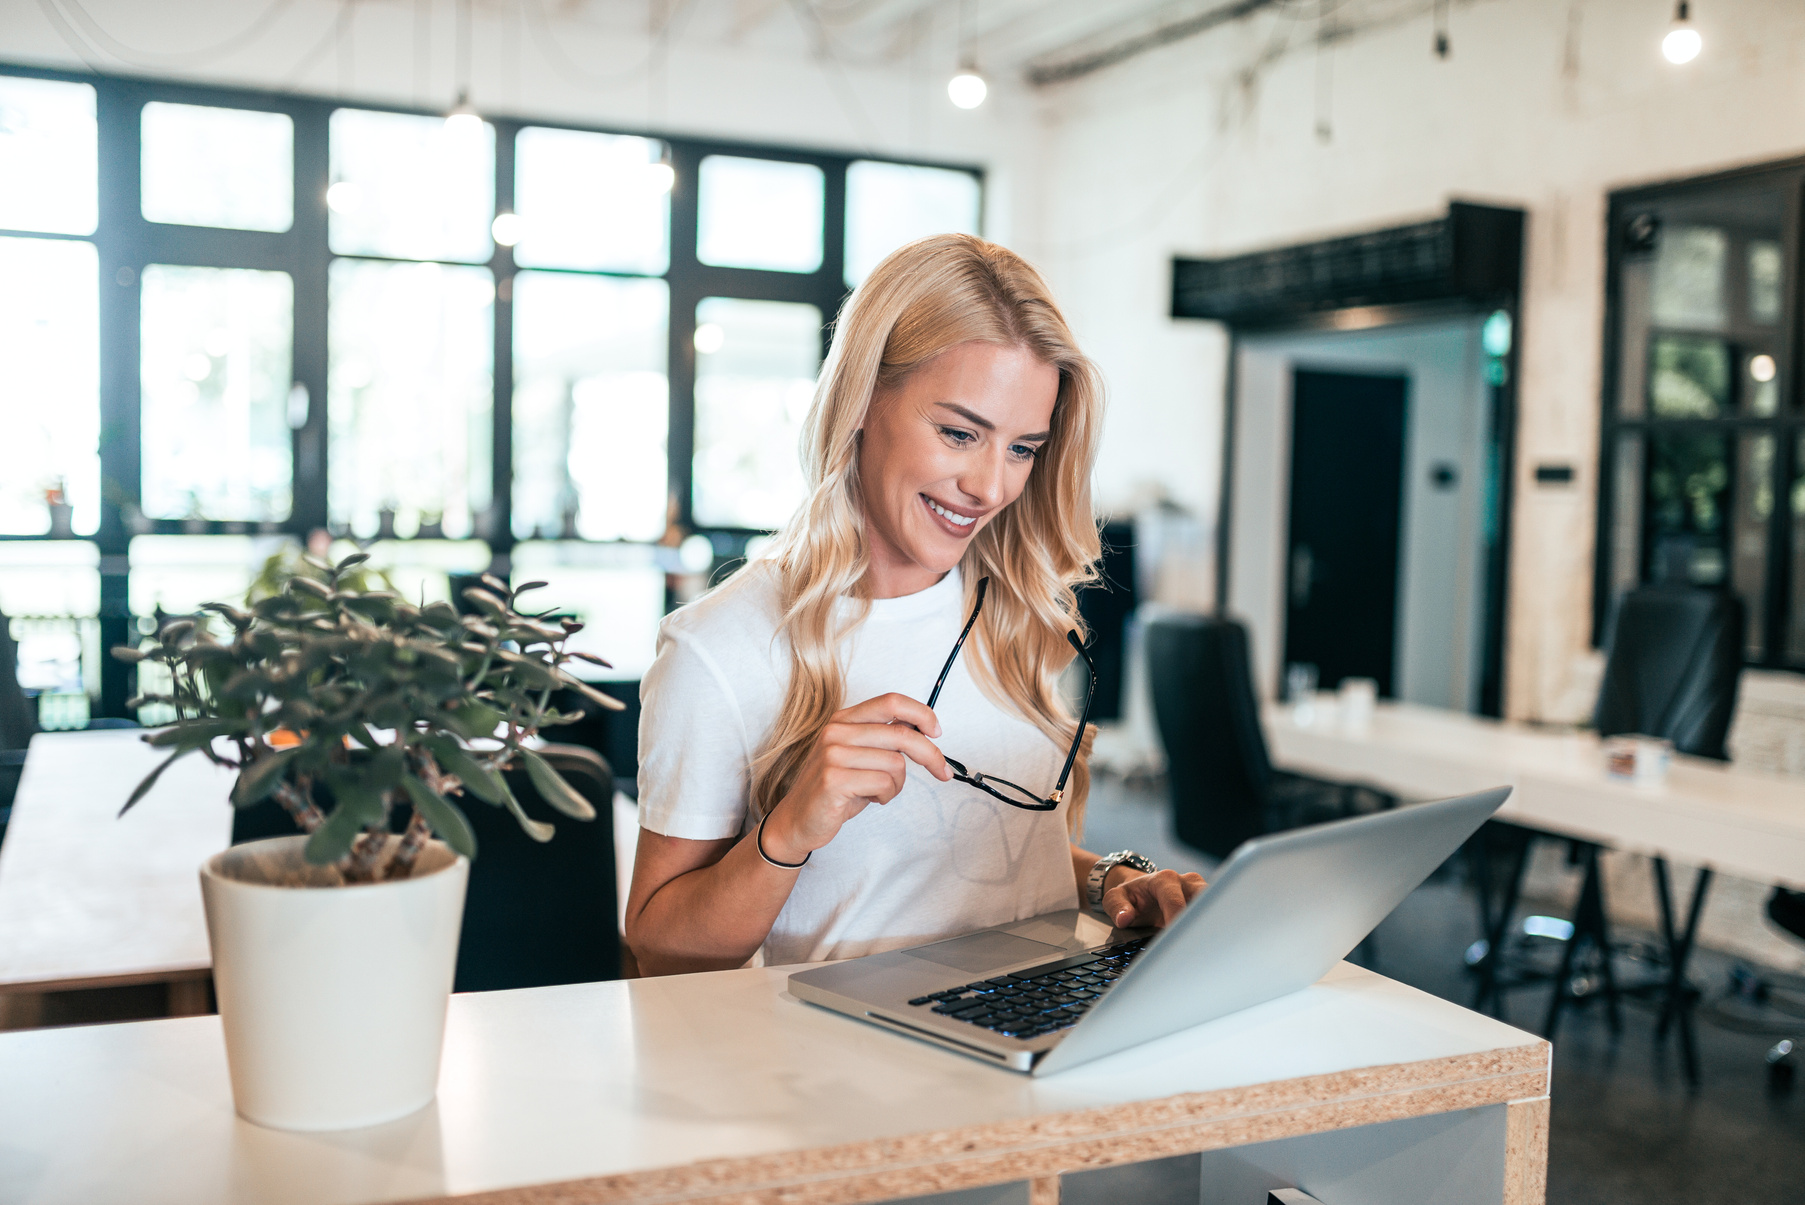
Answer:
(534, 915)
(1217, 766)
(1675, 659)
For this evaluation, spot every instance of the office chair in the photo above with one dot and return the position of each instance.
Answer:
(17, 723)
(1223, 786)
(534, 915)
(1672, 670)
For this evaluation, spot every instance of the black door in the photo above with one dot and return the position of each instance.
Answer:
(1347, 483)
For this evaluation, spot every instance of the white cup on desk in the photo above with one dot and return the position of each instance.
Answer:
(1639, 759)
(1358, 697)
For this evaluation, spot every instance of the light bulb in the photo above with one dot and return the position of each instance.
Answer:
(506, 229)
(344, 197)
(663, 176)
(1763, 368)
(710, 338)
(967, 89)
(1682, 43)
(463, 120)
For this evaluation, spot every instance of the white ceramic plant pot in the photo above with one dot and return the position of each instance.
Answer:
(333, 997)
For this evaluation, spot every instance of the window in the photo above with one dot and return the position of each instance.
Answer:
(410, 397)
(50, 406)
(890, 204)
(1703, 429)
(49, 153)
(218, 167)
(591, 407)
(760, 213)
(310, 318)
(216, 373)
(755, 376)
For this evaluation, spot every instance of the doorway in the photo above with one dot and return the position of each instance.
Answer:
(1347, 488)
(1426, 465)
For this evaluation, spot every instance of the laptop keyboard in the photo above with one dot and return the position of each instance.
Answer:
(1039, 1000)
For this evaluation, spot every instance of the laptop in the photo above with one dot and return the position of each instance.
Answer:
(1054, 991)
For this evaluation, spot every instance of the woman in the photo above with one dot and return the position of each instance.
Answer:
(948, 455)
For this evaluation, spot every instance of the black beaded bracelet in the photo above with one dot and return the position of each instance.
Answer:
(758, 841)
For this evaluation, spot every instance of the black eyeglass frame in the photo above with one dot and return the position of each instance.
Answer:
(983, 781)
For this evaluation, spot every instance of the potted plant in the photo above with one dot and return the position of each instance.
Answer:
(333, 951)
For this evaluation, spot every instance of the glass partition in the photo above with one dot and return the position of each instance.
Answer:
(49, 156)
(760, 213)
(409, 187)
(204, 166)
(890, 204)
(616, 590)
(597, 202)
(50, 402)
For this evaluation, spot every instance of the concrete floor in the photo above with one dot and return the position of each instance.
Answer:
(1625, 1128)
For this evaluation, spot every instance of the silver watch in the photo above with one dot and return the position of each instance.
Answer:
(1093, 886)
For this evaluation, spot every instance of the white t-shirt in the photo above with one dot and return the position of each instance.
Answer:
(938, 860)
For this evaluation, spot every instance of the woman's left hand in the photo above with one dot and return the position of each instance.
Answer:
(1151, 899)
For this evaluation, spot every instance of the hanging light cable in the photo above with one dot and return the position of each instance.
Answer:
(968, 88)
(463, 117)
(1682, 43)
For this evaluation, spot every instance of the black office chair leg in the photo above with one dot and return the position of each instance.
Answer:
(1497, 925)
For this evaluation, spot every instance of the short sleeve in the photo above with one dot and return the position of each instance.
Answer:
(695, 771)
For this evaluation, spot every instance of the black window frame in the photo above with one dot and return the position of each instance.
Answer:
(125, 242)
(1786, 425)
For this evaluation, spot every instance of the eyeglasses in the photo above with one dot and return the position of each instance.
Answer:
(1014, 794)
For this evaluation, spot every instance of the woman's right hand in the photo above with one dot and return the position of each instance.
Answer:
(861, 756)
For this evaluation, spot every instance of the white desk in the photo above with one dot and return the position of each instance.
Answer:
(1740, 821)
(92, 899)
(1716, 815)
(721, 1086)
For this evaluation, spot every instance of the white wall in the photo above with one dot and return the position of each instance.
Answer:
(1209, 147)
(1441, 572)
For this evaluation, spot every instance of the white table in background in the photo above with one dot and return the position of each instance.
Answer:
(1715, 815)
(92, 899)
(723, 1087)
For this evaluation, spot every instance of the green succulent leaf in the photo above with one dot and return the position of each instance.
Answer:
(150, 780)
(187, 735)
(591, 693)
(474, 721)
(258, 779)
(332, 840)
(536, 829)
(554, 789)
(443, 815)
(477, 778)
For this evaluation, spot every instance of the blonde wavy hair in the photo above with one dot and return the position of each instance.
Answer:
(929, 296)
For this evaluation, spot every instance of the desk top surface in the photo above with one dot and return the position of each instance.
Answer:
(1741, 820)
(696, 1085)
(88, 897)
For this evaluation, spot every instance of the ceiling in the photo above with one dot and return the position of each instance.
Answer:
(1039, 40)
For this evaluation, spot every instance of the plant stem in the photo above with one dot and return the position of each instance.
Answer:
(401, 866)
(297, 800)
(360, 863)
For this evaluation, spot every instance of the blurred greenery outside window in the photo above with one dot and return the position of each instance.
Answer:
(398, 289)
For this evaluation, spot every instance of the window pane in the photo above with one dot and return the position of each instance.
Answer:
(596, 201)
(616, 590)
(422, 569)
(216, 374)
(409, 396)
(759, 213)
(755, 377)
(176, 574)
(1702, 287)
(1754, 491)
(889, 204)
(1688, 377)
(50, 402)
(1795, 638)
(49, 577)
(411, 187)
(48, 156)
(218, 167)
(1687, 507)
(591, 407)
(1626, 514)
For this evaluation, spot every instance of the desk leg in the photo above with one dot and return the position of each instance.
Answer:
(1496, 926)
(1677, 1006)
(1043, 1190)
(1590, 927)
(1526, 1152)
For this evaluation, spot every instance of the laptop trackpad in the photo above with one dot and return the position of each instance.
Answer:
(983, 951)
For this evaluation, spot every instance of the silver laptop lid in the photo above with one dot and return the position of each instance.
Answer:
(1280, 913)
